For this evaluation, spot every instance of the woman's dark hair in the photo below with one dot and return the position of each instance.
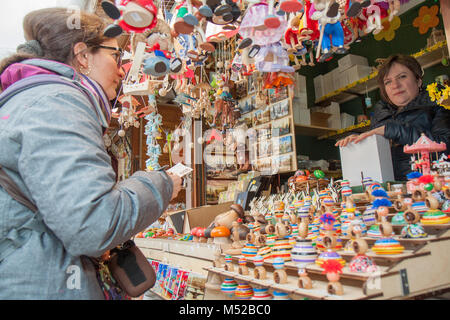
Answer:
(53, 32)
(410, 62)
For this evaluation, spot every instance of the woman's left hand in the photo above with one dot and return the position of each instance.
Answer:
(379, 131)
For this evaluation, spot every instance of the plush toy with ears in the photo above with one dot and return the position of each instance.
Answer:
(130, 16)
(159, 47)
(330, 27)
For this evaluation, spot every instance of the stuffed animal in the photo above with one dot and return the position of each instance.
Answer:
(329, 27)
(159, 48)
(130, 16)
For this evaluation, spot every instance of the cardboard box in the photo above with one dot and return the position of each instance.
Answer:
(203, 216)
(300, 85)
(334, 121)
(347, 120)
(328, 83)
(300, 101)
(319, 87)
(302, 116)
(357, 72)
(340, 79)
(372, 157)
(320, 119)
(350, 60)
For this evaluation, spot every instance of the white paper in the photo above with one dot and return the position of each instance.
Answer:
(180, 170)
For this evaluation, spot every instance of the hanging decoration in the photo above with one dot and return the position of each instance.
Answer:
(388, 31)
(427, 18)
(440, 93)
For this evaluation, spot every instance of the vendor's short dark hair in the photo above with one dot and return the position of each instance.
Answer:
(410, 62)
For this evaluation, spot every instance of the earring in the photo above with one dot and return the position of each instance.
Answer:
(87, 72)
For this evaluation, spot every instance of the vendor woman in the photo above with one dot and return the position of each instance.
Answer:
(404, 112)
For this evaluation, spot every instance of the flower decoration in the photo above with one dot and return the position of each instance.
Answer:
(427, 19)
(440, 94)
(389, 27)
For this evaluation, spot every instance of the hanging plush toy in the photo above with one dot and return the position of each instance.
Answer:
(158, 57)
(130, 16)
(329, 27)
(310, 26)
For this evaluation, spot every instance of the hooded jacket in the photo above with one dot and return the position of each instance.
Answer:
(52, 147)
(404, 127)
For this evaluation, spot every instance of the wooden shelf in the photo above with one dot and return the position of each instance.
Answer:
(338, 134)
(318, 292)
(425, 58)
(313, 131)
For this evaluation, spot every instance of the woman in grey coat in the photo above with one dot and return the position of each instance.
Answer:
(52, 148)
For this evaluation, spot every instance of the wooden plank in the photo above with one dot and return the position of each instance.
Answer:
(445, 12)
(318, 291)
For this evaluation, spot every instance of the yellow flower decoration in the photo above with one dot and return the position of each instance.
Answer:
(441, 96)
(389, 27)
(427, 19)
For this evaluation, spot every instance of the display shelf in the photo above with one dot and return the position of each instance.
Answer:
(339, 134)
(427, 57)
(313, 131)
(318, 292)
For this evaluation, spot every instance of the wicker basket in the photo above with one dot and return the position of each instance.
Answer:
(313, 184)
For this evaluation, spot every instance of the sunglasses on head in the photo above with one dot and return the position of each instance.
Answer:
(119, 55)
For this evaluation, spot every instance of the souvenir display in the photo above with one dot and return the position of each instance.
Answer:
(238, 74)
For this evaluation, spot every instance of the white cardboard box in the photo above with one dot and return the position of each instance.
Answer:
(302, 116)
(350, 60)
(357, 72)
(336, 79)
(340, 79)
(328, 84)
(300, 101)
(372, 157)
(319, 87)
(347, 120)
(300, 85)
(335, 120)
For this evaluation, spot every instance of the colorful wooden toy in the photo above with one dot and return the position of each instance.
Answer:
(243, 269)
(228, 287)
(333, 269)
(261, 293)
(243, 291)
(412, 229)
(279, 274)
(229, 263)
(259, 272)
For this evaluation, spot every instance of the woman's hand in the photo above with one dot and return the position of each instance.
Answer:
(177, 181)
(379, 131)
(355, 138)
(346, 140)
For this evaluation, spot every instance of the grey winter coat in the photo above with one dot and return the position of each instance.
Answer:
(51, 145)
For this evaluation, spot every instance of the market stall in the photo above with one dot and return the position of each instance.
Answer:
(252, 97)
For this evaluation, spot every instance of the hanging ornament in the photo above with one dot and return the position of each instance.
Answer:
(427, 18)
(389, 27)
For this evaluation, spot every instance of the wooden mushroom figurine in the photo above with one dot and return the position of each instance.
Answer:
(226, 219)
(238, 235)
(221, 235)
(333, 269)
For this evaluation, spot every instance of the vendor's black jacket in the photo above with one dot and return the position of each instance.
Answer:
(404, 127)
